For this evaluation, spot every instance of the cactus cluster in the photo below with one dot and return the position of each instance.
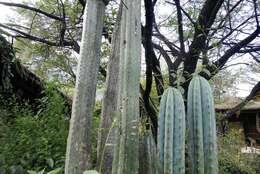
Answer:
(201, 126)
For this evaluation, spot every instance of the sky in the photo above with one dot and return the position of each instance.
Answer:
(6, 12)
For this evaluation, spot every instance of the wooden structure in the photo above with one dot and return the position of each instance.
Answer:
(247, 119)
(18, 80)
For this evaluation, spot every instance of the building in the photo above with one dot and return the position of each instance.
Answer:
(247, 120)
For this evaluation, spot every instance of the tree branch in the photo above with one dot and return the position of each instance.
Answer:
(249, 50)
(203, 25)
(204, 22)
(34, 38)
(152, 64)
(253, 93)
(180, 26)
(235, 49)
(32, 9)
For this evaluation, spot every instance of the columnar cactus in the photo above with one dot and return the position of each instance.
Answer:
(107, 133)
(148, 160)
(79, 138)
(171, 140)
(201, 124)
(126, 151)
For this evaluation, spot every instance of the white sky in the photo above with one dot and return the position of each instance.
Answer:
(7, 13)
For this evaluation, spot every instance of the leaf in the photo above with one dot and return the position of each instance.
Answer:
(41, 172)
(50, 162)
(206, 72)
(91, 172)
(31, 172)
(55, 171)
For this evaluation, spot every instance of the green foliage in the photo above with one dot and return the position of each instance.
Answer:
(55, 171)
(231, 159)
(50, 62)
(91, 172)
(33, 140)
(6, 59)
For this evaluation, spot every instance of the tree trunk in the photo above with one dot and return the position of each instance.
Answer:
(78, 155)
(126, 156)
(109, 103)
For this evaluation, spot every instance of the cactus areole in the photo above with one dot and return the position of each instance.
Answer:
(171, 141)
(201, 124)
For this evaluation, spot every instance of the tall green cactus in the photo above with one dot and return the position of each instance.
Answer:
(202, 145)
(126, 151)
(78, 154)
(148, 160)
(171, 141)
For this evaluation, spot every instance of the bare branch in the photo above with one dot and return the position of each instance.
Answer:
(256, 14)
(253, 93)
(205, 20)
(180, 26)
(169, 44)
(184, 12)
(255, 58)
(32, 9)
(249, 50)
(152, 64)
(235, 49)
(42, 40)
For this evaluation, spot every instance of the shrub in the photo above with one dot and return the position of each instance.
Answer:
(231, 160)
(33, 140)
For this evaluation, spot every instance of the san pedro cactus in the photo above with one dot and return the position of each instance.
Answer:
(202, 145)
(126, 156)
(171, 140)
(78, 154)
(148, 160)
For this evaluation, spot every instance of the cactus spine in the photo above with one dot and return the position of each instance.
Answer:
(171, 140)
(201, 125)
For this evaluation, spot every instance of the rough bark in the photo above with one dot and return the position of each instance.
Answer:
(106, 134)
(79, 140)
(126, 150)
